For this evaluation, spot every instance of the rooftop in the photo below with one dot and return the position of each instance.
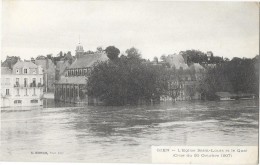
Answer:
(88, 60)
(22, 64)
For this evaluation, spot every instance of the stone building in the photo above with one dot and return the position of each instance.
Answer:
(48, 72)
(72, 85)
(22, 85)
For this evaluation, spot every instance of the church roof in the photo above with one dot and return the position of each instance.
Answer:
(88, 60)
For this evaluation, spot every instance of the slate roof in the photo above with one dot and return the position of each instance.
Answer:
(5, 70)
(21, 64)
(72, 80)
(88, 60)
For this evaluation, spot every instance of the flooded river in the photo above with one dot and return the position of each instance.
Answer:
(123, 134)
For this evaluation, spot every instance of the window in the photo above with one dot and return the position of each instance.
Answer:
(26, 92)
(34, 101)
(17, 71)
(7, 81)
(34, 82)
(17, 101)
(25, 82)
(34, 91)
(25, 71)
(7, 92)
(17, 80)
(17, 92)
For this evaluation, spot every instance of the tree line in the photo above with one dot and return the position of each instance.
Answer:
(129, 79)
(240, 75)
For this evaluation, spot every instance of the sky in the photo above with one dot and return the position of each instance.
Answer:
(32, 28)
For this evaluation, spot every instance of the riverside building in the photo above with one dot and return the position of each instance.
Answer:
(71, 87)
(22, 85)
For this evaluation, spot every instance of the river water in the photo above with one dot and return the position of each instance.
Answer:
(123, 134)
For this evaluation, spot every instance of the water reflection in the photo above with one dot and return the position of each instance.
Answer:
(126, 133)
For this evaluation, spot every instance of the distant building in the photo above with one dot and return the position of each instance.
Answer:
(72, 85)
(177, 61)
(22, 85)
(188, 89)
(209, 55)
(48, 72)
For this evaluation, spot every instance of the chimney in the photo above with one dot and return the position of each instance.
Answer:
(33, 60)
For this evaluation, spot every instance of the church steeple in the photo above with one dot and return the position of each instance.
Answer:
(79, 50)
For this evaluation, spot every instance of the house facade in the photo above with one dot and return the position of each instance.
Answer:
(22, 85)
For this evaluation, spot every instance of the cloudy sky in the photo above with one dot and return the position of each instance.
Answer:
(32, 28)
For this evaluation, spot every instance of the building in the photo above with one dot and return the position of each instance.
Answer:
(61, 67)
(72, 85)
(177, 61)
(48, 72)
(22, 85)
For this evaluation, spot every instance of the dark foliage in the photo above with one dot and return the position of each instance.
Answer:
(235, 76)
(125, 80)
(112, 52)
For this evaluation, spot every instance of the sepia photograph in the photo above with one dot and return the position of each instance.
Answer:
(129, 82)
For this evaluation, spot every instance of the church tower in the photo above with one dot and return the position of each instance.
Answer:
(79, 50)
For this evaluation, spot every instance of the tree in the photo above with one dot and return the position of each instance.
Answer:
(99, 49)
(112, 52)
(235, 76)
(163, 58)
(125, 81)
(194, 56)
(60, 54)
(89, 52)
(155, 59)
(133, 53)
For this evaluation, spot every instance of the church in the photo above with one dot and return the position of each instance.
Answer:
(71, 87)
